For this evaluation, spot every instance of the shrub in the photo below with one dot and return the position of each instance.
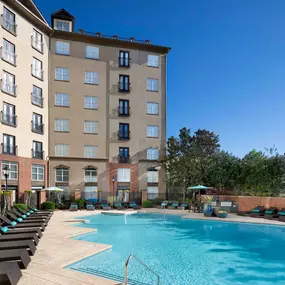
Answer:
(48, 205)
(157, 201)
(147, 204)
(80, 203)
(21, 206)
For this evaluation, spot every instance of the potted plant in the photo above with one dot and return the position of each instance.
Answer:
(208, 209)
(222, 214)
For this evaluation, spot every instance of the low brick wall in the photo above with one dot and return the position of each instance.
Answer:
(246, 203)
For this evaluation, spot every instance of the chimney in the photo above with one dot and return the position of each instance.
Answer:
(147, 42)
(132, 39)
(80, 31)
(98, 34)
(115, 37)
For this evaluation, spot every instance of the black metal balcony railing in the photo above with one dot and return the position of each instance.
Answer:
(124, 135)
(37, 128)
(124, 159)
(124, 111)
(37, 100)
(124, 87)
(8, 56)
(124, 61)
(38, 45)
(37, 72)
(9, 149)
(9, 119)
(8, 87)
(39, 154)
(8, 25)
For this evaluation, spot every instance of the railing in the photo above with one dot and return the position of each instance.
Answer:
(124, 62)
(8, 56)
(124, 159)
(39, 73)
(9, 149)
(39, 154)
(37, 128)
(37, 100)
(132, 256)
(8, 87)
(124, 111)
(8, 25)
(9, 119)
(124, 135)
(124, 87)
(38, 45)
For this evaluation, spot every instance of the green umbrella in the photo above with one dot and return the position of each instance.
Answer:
(198, 187)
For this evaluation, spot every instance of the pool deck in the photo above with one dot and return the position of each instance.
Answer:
(57, 250)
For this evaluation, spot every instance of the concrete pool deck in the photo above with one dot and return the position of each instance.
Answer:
(57, 250)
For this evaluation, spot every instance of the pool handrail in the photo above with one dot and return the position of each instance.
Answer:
(142, 263)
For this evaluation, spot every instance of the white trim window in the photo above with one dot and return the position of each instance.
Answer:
(37, 68)
(152, 84)
(38, 172)
(152, 153)
(37, 41)
(90, 102)
(152, 176)
(62, 25)
(62, 99)
(8, 83)
(152, 108)
(92, 52)
(62, 73)
(124, 175)
(61, 149)
(91, 77)
(90, 175)
(90, 192)
(152, 192)
(90, 127)
(90, 151)
(152, 131)
(61, 175)
(61, 125)
(8, 52)
(9, 21)
(62, 48)
(37, 96)
(13, 166)
(153, 60)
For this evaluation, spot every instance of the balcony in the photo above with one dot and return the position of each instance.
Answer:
(9, 119)
(8, 56)
(37, 100)
(37, 128)
(9, 149)
(8, 25)
(38, 154)
(38, 73)
(124, 87)
(36, 44)
(124, 135)
(124, 62)
(124, 159)
(124, 111)
(8, 88)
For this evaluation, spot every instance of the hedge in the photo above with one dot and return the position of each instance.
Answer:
(147, 204)
(21, 206)
(48, 205)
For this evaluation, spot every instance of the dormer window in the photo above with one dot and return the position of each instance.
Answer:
(62, 25)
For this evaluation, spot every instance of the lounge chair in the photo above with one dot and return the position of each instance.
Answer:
(281, 215)
(29, 218)
(21, 256)
(43, 212)
(271, 213)
(257, 212)
(183, 206)
(31, 213)
(174, 205)
(9, 230)
(10, 273)
(21, 220)
(163, 205)
(19, 244)
(134, 205)
(119, 206)
(105, 207)
(13, 237)
(89, 206)
(73, 207)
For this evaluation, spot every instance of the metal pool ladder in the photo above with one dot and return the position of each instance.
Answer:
(142, 263)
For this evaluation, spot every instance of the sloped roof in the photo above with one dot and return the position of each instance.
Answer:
(62, 14)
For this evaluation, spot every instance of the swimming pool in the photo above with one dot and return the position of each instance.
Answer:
(186, 252)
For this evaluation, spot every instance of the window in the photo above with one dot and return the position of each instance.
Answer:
(62, 48)
(37, 68)
(61, 149)
(124, 131)
(62, 25)
(91, 77)
(37, 96)
(152, 131)
(92, 52)
(152, 176)
(123, 175)
(152, 108)
(124, 107)
(61, 125)
(62, 99)
(152, 84)
(62, 73)
(9, 21)
(90, 175)
(124, 59)
(62, 175)
(8, 83)
(124, 83)
(8, 52)
(37, 41)
(9, 146)
(90, 151)
(90, 192)
(90, 102)
(152, 60)
(38, 150)
(152, 153)
(152, 193)
(124, 155)
(90, 127)
(8, 114)
(38, 172)
(37, 123)
(13, 166)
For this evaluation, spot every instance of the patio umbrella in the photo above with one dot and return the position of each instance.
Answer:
(53, 188)
(198, 187)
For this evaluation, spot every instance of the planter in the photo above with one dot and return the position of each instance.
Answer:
(222, 215)
(208, 210)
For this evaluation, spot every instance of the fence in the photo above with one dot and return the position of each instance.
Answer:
(170, 196)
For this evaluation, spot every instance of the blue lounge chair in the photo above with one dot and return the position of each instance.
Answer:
(257, 212)
(183, 206)
(105, 207)
(119, 206)
(73, 207)
(89, 206)
(134, 205)
(174, 205)
(281, 215)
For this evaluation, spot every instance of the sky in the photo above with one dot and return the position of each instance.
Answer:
(226, 69)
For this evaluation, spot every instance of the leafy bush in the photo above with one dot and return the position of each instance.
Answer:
(80, 203)
(157, 201)
(147, 204)
(48, 205)
(21, 206)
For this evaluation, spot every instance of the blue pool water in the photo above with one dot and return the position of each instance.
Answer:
(186, 252)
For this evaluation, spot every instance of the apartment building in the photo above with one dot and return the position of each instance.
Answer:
(24, 45)
(107, 111)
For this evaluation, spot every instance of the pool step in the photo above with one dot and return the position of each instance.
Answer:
(109, 276)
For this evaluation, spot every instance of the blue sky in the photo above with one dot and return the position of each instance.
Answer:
(226, 69)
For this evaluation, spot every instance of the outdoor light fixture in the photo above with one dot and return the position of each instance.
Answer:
(6, 172)
(113, 180)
